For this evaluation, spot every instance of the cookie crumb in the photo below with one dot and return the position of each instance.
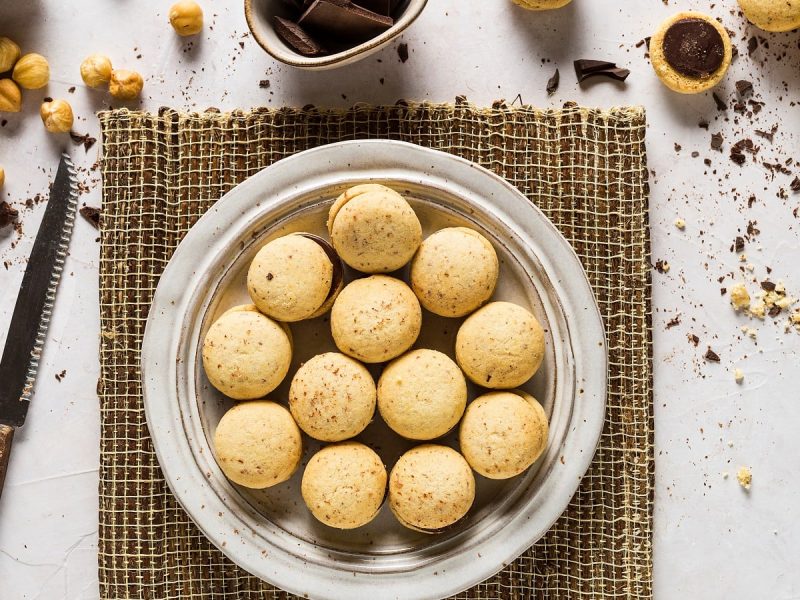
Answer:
(680, 223)
(724, 474)
(740, 298)
(745, 477)
(738, 376)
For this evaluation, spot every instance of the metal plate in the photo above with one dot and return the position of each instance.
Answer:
(270, 532)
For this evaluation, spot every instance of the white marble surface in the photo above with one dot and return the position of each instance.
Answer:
(712, 539)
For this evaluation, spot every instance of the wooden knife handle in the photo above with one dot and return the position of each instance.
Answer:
(6, 437)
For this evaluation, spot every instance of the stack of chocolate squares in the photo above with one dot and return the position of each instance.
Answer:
(324, 26)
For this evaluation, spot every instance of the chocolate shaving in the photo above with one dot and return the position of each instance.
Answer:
(675, 321)
(7, 214)
(774, 310)
(711, 356)
(795, 185)
(552, 83)
(586, 68)
(87, 140)
(91, 214)
(743, 87)
(752, 230)
(402, 52)
(738, 244)
(693, 339)
(264, 84)
(752, 44)
(767, 285)
(769, 135)
(703, 124)
(719, 102)
(739, 148)
(716, 141)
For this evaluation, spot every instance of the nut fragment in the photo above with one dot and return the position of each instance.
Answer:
(125, 85)
(9, 54)
(186, 17)
(31, 71)
(96, 70)
(10, 96)
(56, 116)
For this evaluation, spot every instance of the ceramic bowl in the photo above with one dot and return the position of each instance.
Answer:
(259, 14)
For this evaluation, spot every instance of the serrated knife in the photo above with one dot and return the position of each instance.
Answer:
(34, 306)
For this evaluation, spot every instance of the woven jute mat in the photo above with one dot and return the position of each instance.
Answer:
(584, 168)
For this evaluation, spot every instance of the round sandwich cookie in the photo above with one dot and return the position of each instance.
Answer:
(374, 229)
(332, 397)
(772, 15)
(258, 444)
(541, 4)
(503, 433)
(375, 319)
(431, 487)
(344, 485)
(246, 354)
(500, 346)
(295, 277)
(422, 394)
(454, 271)
(690, 52)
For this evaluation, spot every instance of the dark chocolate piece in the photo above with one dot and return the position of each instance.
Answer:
(719, 102)
(711, 355)
(744, 87)
(693, 47)
(344, 20)
(585, 68)
(382, 7)
(402, 52)
(7, 214)
(333, 256)
(552, 83)
(768, 286)
(91, 214)
(87, 140)
(716, 141)
(297, 38)
(795, 185)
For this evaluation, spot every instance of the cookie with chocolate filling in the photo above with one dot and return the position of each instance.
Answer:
(772, 15)
(690, 52)
(295, 277)
(541, 4)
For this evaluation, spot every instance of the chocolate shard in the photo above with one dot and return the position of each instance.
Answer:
(721, 105)
(91, 214)
(693, 47)
(552, 83)
(795, 185)
(382, 7)
(345, 20)
(297, 38)
(586, 68)
(711, 355)
(7, 214)
(744, 87)
(716, 141)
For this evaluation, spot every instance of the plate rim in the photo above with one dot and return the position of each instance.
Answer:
(451, 170)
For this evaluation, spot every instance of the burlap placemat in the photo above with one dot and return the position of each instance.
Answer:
(584, 168)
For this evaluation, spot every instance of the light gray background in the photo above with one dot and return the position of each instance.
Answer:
(712, 539)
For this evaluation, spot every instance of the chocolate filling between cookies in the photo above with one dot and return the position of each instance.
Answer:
(693, 47)
(338, 271)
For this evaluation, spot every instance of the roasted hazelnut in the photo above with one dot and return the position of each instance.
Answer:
(10, 96)
(125, 85)
(9, 54)
(186, 17)
(96, 70)
(56, 115)
(31, 71)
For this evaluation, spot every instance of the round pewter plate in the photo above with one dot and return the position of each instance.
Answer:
(270, 532)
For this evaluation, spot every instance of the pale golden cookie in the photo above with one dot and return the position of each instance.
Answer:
(344, 485)
(375, 319)
(690, 52)
(246, 354)
(430, 488)
(772, 15)
(258, 444)
(503, 433)
(295, 277)
(541, 4)
(332, 397)
(374, 229)
(500, 345)
(454, 271)
(422, 394)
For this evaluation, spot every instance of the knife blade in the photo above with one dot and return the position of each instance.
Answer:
(34, 307)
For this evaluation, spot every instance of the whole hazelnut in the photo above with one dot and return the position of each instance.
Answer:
(125, 85)
(186, 17)
(56, 115)
(31, 71)
(9, 54)
(10, 96)
(96, 70)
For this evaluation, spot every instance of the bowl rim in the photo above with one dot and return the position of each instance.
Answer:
(165, 339)
(296, 59)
